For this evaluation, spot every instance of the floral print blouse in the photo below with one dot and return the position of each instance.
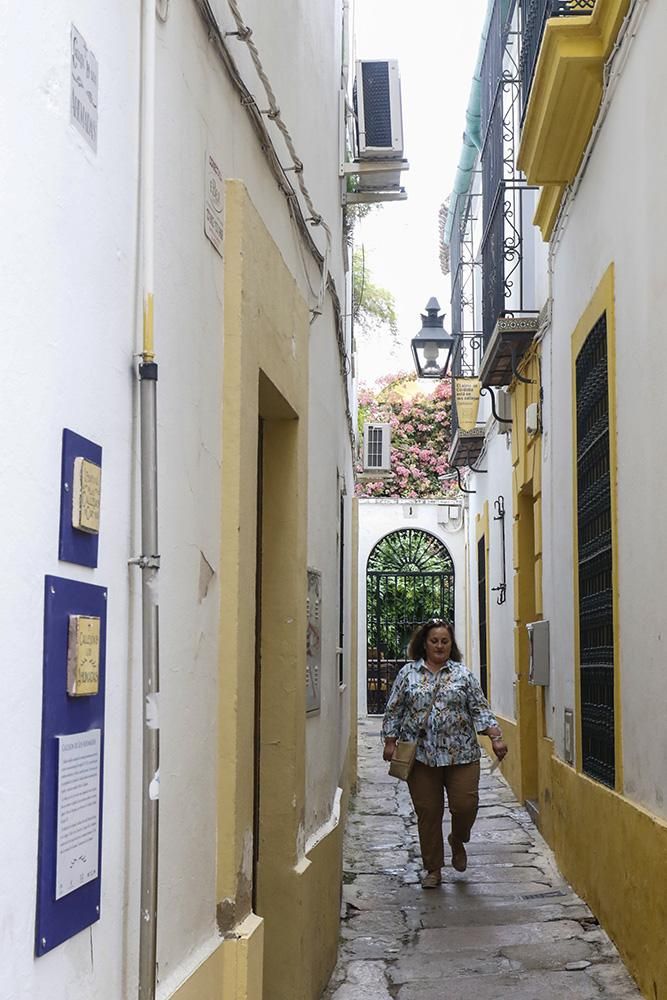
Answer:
(459, 712)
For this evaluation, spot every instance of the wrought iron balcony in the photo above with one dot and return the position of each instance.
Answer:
(534, 16)
(507, 202)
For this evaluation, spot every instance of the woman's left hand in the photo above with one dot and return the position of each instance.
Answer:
(499, 748)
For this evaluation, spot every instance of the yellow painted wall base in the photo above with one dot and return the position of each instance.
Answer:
(511, 766)
(614, 854)
(324, 880)
(233, 971)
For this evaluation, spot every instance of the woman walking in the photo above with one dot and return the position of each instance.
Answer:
(448, 753)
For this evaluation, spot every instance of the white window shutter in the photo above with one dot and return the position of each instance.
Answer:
(377, 447)
(386, 447)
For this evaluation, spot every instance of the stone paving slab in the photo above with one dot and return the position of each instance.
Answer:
(526, 986)
(510, 926)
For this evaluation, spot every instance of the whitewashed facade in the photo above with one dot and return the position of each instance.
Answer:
(72, 222)
(586, 747)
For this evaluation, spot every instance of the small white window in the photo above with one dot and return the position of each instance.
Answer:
(377, 447)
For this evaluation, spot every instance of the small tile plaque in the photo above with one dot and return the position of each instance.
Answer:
(83, 656)
(86, 494)
(80, 495)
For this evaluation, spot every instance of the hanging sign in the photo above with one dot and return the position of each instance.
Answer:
(466, 391)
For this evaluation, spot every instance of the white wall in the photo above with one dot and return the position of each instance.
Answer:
(495, 482)
(619, 216)
(69, 251)
(378, 518)
(68, 263)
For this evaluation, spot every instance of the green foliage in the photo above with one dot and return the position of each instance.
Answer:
(373, 307)
(420, 437)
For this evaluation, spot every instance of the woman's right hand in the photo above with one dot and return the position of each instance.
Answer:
(389, 749)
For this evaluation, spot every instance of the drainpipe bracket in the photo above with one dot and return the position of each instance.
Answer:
(145, 562)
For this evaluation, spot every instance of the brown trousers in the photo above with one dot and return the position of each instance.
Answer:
(427, 786)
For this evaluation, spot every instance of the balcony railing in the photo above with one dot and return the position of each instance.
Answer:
(534, 16)
(507, 201)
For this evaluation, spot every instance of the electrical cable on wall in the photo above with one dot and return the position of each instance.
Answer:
(273, 113)
(217, 38)
(245, 35)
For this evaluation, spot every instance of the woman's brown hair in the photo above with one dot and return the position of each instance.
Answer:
(417, 645)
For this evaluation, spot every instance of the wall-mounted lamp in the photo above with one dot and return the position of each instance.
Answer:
(432, 347)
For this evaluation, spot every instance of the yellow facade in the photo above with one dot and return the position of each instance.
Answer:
(278, 909)
(564, 102)
(613, 852)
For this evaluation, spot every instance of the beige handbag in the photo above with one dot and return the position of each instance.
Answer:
(403, 761)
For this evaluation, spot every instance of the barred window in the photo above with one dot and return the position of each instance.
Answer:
(595, 566)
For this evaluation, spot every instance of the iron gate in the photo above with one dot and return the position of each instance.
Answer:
(409, 579)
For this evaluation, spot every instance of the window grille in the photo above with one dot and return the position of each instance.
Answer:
(595, 565)
(374, 447)
(377, 447)
(534, 16)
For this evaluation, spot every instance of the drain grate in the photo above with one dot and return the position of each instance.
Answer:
(544, 895)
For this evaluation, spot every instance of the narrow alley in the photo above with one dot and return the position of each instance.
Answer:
(509, 926)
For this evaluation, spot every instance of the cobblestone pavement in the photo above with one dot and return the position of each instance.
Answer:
(508, 927)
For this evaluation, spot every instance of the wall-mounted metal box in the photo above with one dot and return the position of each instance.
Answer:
(568, 736)
(538, 641)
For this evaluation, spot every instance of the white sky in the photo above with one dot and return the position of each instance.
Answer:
(436, 43)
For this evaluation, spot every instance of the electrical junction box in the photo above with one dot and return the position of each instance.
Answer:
(532, 419)
(504, 408)
(449, 514)
(538, 641)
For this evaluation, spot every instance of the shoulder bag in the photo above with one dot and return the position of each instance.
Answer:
(403, 761)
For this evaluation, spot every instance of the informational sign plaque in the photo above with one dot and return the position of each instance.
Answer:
(71, 783)
(467, 391)
(213, 213)
(77, 838)
(83, 88)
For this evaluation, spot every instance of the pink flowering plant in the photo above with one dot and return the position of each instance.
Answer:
(420, 436)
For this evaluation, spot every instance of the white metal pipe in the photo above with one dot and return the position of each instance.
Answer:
(149, 560)
(148, 168)
(150, 670)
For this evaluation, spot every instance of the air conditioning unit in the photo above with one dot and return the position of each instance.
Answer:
(377, 448)
(376, 138)
(504, 410)
(377, 105)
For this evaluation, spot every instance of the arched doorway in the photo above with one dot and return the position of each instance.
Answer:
(409, 579)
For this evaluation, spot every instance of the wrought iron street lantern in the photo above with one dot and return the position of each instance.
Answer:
(432, 347)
